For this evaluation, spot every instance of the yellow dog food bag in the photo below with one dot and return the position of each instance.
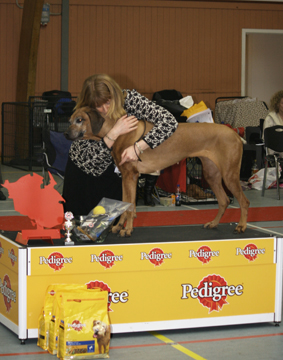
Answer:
(84, 329)
(53, 325)
(46, 312)
(54, 321)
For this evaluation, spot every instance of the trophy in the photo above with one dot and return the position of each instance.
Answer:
(68, 227)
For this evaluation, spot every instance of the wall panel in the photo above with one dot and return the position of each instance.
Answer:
(192, 46)
(10, 25)
(49, 54)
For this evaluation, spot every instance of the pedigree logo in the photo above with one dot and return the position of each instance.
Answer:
(212, 292)
(156, 256)
(106, 259)
(8, 294)
(1, 250)
(55, 260)
(203, 254)
(76, 325)
(12, 256)
(250, 252)
(113, 297)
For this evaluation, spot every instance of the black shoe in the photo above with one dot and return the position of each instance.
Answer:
(148, 201)
(150, 181)
(2, 196)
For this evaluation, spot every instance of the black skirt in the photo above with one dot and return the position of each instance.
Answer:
(82, 192)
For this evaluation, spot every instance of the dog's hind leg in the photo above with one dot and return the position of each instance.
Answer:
(232, 181)
(214, 179)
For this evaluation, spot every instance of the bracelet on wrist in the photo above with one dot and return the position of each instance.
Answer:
(139, 159)
(108, 137)
(139, 148)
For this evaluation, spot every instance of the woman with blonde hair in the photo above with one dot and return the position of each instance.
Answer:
(275, 116)
(90, 168)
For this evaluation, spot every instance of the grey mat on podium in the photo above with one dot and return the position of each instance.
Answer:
(185, 233)
(159, 234)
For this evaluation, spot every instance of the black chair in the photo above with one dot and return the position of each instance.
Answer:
(54, 155)
(255, 143)
(273, 139)
(252, 150)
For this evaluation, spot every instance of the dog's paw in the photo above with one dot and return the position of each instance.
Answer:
(240, 229)
(122, 233)
(117, 228)
(210, 225)
(129, 232)
(125, 233)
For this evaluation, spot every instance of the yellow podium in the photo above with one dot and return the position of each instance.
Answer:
(152, 285)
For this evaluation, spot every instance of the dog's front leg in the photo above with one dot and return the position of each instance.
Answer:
(117, 228)
(129, 186)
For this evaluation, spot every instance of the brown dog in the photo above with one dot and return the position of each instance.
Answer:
(101, 332)
(218, 147)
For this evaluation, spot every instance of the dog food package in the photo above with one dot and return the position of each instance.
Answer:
(84, 329)
(53, 327)
(99, 220)
(43, 330)
(46, 312)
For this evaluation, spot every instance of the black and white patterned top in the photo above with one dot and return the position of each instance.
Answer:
(94, 157)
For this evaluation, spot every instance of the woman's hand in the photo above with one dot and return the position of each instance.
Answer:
(132, 152)
(123, 126)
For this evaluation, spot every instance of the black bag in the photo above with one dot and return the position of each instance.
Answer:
(65, 106)
(167, 95)
(53, 96)
(169, 99)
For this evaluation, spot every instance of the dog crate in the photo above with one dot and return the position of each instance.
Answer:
(17, 135)
(198, 190)
(22, 126)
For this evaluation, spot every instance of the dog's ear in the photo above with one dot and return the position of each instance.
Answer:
(96, 121)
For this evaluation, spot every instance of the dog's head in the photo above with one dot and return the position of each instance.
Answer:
(84, 124)
(99, 328)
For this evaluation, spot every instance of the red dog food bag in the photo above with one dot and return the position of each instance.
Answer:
(84, 328)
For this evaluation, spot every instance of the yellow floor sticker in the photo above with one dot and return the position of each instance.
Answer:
(177, 346)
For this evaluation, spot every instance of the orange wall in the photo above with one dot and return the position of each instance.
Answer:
(192, 46)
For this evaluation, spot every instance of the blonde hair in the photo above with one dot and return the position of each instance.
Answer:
(275, 101)
(97, 90)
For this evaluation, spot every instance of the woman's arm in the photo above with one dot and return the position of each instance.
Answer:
(165, 124)
(269, 121)
(124, 125)
(94, 157)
